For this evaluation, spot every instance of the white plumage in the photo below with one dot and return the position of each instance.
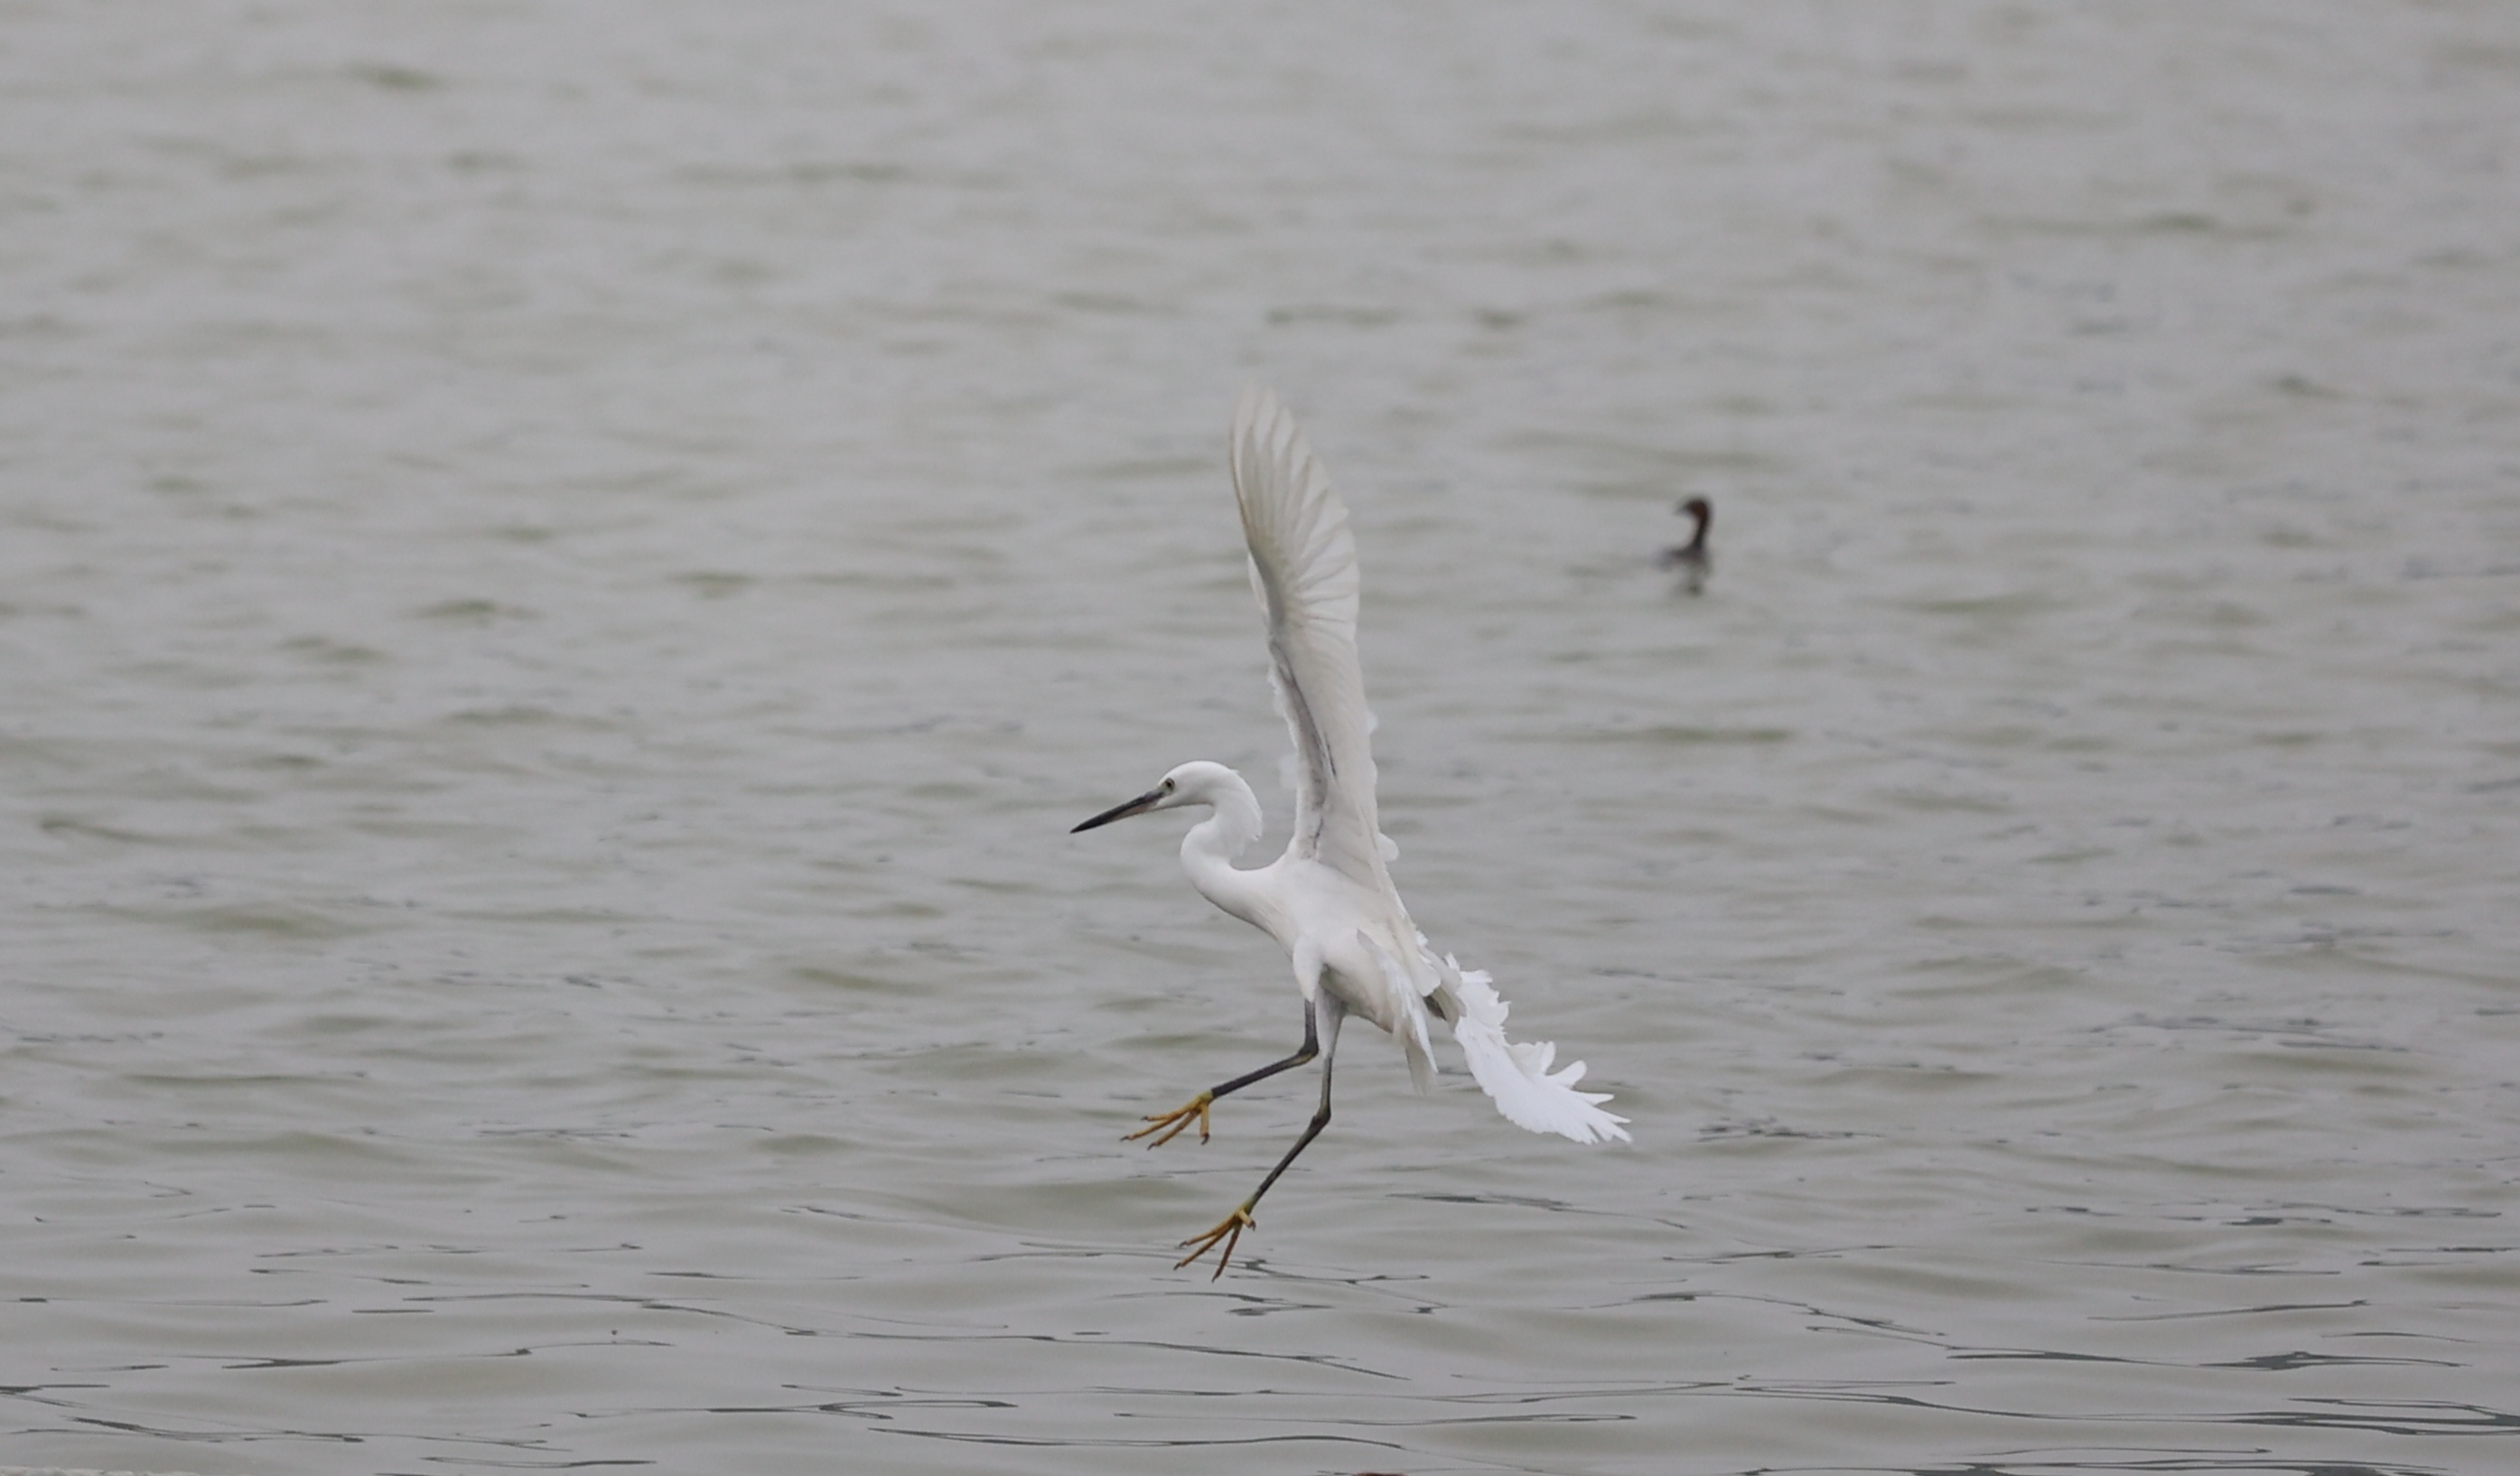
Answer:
(1329, 899)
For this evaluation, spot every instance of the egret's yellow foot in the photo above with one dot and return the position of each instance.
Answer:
(1228, 1230)
(1171, 1123)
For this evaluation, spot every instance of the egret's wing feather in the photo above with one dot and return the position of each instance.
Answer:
(1303, 569)
(1407, 1010)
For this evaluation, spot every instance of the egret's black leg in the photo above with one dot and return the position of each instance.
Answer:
(1170, 1124)
(1229, 1230)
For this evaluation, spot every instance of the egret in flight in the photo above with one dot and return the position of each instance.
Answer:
(1328, 900)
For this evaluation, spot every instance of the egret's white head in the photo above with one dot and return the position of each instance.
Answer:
(1197, 783)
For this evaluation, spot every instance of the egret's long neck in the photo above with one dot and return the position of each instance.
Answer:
(1207, 852)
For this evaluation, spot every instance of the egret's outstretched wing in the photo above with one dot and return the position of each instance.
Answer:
(1303, 569)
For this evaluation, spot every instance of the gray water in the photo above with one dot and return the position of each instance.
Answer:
(566, 567)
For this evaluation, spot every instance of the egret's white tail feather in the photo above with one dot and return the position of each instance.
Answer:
(1516, 1074)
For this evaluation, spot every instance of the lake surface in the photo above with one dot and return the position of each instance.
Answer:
(565, 569)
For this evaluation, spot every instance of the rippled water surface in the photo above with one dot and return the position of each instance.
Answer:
(565, 570)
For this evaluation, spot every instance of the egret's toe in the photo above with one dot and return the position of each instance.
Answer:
(1170, 1124)
(1229, 1231)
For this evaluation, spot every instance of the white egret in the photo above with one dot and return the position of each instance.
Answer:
(1694, 559)
(1328, 900)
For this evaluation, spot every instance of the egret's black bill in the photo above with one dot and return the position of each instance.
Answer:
(1138, 806)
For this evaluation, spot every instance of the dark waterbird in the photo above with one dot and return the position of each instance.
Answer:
(1692, 558)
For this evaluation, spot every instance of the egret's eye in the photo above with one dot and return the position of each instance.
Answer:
(1168, 787)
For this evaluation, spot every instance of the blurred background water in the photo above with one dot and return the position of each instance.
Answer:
(566, 567)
